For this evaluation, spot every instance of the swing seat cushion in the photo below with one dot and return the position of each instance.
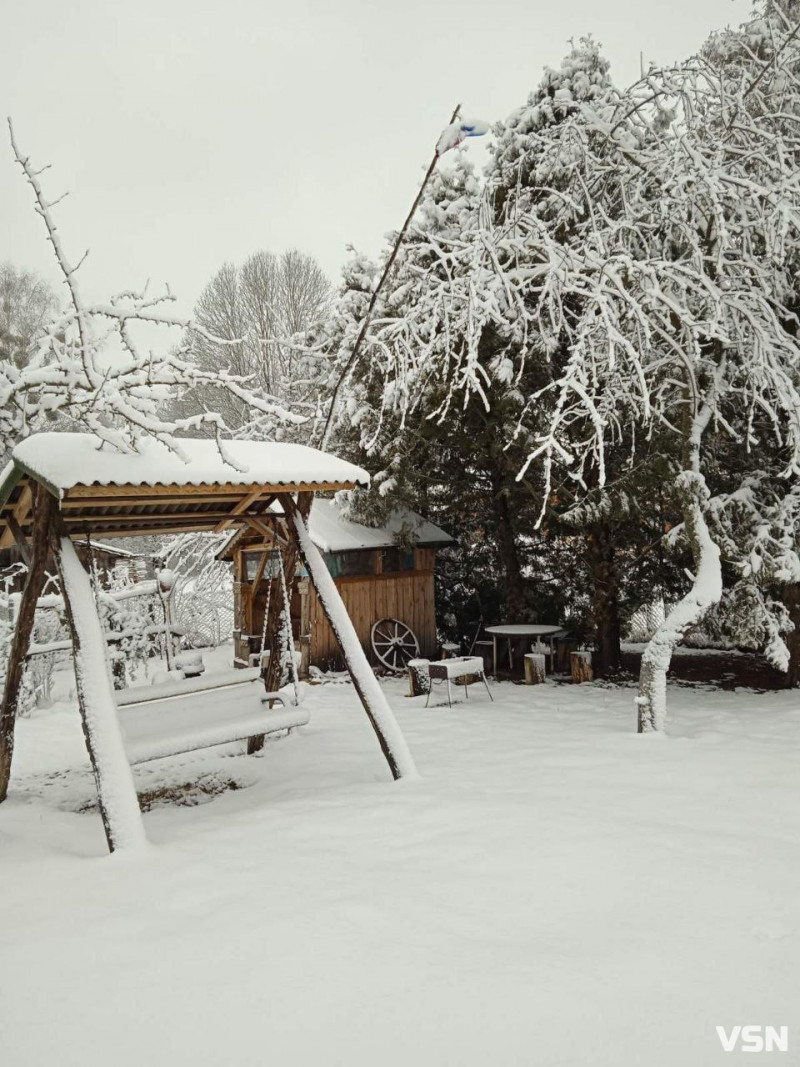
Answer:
(202, 720)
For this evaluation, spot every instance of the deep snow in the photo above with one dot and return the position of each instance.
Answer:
(554, 890)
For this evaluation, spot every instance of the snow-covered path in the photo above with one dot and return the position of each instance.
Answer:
(555, 890)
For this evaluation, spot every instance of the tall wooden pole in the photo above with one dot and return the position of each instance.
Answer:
(45, 510)
(351, 362)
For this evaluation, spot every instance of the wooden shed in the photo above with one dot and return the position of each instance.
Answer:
(377, 578)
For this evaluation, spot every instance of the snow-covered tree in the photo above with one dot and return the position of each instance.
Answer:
(638, 252)
(90, 368)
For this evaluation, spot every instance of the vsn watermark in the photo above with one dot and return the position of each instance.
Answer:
(754, 1038)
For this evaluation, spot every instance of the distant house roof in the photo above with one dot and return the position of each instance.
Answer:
(113, 550)
(331, 532)
(65, 460)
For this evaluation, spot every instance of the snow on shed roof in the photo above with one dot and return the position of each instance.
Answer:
(330, 532)
(65, 460)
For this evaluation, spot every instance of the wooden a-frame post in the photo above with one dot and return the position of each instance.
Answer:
(45, 508)
(119, 806)
(380, 715)
(116, 792)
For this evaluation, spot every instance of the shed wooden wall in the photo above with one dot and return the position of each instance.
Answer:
(404, 595)
(408, 597)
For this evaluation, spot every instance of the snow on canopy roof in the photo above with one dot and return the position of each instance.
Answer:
(330, 532)
(64, 460)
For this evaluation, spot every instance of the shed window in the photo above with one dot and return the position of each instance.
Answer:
(397, 559)
(349, 564)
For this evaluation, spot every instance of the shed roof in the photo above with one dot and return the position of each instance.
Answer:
(331, 532)
(109, 493)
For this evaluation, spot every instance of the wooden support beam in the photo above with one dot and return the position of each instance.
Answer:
(45, 512)
(260, 526)
(121, 492)
(380, 715)
(19, 537)
(237, 509)
(145, 498)
(79, 533)
(102, 516)
(19, 515)
(116, 793)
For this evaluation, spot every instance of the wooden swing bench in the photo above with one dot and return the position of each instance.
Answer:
(64, 486)
(173, 725)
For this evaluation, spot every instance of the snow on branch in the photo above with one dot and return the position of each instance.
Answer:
(90, 371)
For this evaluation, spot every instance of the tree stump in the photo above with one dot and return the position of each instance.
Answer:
(534, 668)
(581, 666)
(418, 678)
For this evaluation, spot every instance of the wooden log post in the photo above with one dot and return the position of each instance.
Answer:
(116, 793)
(581, 666)
(535, 669)
(380, 715)
(419, 681)
(45, 508)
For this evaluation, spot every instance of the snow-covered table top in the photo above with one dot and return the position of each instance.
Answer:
(64, 460)
(524, 629)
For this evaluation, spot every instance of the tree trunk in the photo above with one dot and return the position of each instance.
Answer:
(791, 599)
(605, 601)
(516, 585)
(705, 592)
(45, 508)
(380, 715)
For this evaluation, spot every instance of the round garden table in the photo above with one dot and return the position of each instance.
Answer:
(511, 630)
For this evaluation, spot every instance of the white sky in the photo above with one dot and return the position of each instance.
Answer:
(189, 133)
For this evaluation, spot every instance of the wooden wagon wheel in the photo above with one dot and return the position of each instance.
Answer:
(394, 644)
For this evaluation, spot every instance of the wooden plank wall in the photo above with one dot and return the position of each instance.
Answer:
(407, 596)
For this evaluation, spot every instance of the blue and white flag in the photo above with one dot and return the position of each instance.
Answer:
(458, 131)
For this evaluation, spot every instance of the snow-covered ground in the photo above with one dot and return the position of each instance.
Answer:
(555, 890)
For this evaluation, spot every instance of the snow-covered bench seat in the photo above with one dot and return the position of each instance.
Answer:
(193, 721)
(146, 694)
(447, 670)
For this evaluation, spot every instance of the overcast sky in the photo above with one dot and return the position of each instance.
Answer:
(189, 133)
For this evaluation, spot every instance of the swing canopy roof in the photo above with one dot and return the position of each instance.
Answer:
(106, 492)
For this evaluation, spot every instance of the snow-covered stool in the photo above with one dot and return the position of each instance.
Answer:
(190, 664)
(419, 680)
(464, 667)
